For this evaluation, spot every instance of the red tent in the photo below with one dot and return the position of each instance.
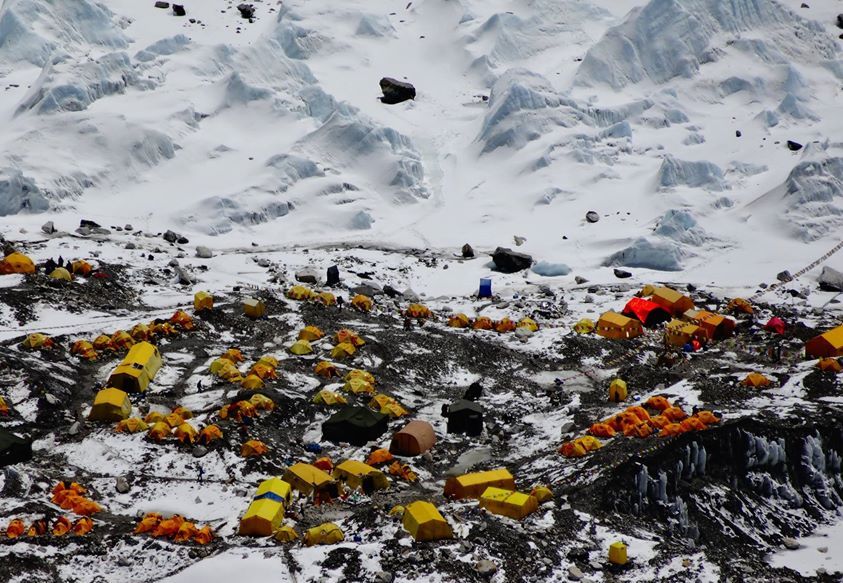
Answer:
(775, 325)
(648, 313)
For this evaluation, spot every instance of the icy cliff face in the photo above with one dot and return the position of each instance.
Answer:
(674, 38)
(814, 197)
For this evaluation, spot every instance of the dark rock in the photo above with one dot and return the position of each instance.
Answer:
(84, 231)
(246, 10)
(185, 277)
(395, 91)
(89, 224)
(161, 4)
(178, 10)
(131, 245)
(203, 252)
(738, 133)
(333, 275)
(592, 216)
(467, 251)
(805, 5)
(622, 273)
(200, 451)
(182, 241)
(509, 261)
(790, 543)
(49, 227)
(170, 237)
(831, 279)
(691, 287)
(391, 291)
(793, 146)
(307, 276)
(784, 276)
(579, 280)
(473, 392)
(840, 21)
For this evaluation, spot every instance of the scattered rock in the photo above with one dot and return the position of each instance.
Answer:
(831, 279)
(161, 4)
(840, 21)
(738, 133)
(523, 333)
(122, 485)
(89, 224)
(579, 280)
(822, 549)
(509, 261)
(178, 10)
(170, 237)
(173, 262)
(467, 251)
(263, 262)
(793, 146)
(200, 451)
(127, 226)
(203, 252)
(409, 295)
(519, 240)
(485, 567)
(622, 273)
(182, 241)
(49, 227)
(784, 276)
(247, 11)
(691, 287)
(588, 300)
(74, 429)
(391, 291)
(307, 276)
(592, 216)
(790, 543)
(131, 245)
(185, 277)
(395, 91)
(384, 577)
(574, 573)
(123, 560)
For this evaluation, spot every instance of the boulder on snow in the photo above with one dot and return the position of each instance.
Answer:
(519, 240)
(170, 237)
(592, 216)
(790, 543)
(247, 11)
(203, 252)
(509, 261)
(395, 91)
(579, 280)
(49, 227)
(307, 276)
(622, 273)
(161, 4)
(485, 567)
(840, 21)
(784, 276)
(88, 224)
(793, 146)
(831, 279)
(467, 251)
(549, 269)
(178, 10)
(391, 291)
(121, 485)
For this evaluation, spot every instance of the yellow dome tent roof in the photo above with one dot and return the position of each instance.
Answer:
(343, 350)
(62, 274)
(203, 301)
(354, 472)
(329, 397)
(17, 263)
(301, 347)
(324, 534)
(310, 333)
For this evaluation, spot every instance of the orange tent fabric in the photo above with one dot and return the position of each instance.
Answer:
(173, 420)
(184, 412)
(693, 424)
(204, 535)
(379, 457)
(675, 414)
(326, 370)
(210, 434)
(671, 430)
(505, 325)
(657, 403)
(350, 336)
(62, 526)
(16, 528)
(707, 417)
(418, 311)
(483, 323)
(639, 412)
(148, 523)
(234, 355)
(362, 303)
(182, 320)
(263, 371)
(253, 448)
(659, 421)
(37, 528)
(459, 321)
(325, 464)
(186, 532)
(643, 429)
(601, 430)
(168, 527)
(82, 526)
(86, 507)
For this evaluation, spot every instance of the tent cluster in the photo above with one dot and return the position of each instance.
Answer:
(302, 293)
(226, 368)
(72, 497)
(240, 410)
(504, 325)
(61, 526)
(122, 341)
(175, 528)
(495, 491)
(160, 426)
(666, 420)
(37, 341)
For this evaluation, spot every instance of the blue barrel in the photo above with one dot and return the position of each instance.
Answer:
(485, 288)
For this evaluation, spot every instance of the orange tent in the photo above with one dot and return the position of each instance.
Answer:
(262, 402)
(173, 420)
(643, 429)
(418, 311)
(659, 422)
(82, 526)
(379, 457)
(829, 365)
(707, 417)
(186, 532)
(85, 507)
(210, 434)
(325, 464)
(234, 355)
(253, 448)
(62, 526)
(140, 332)
(148, 523)
(168, 527)
(601, 430)
(16, 528)
(37, 528)
(657, 403)
(184, 412)
(102, 342)
(263, 371)
(159, 432)
(671, 430)
(183, 320)
(483, 323)
(505, 325)
(326, 370)
(310, 333)
(693, 424)
(4, 407)
(675, 414)
(350, 336)
(185, 433)
(362, 303)
(639, 412)
(121, 340)
(459, 321)
(204, 535)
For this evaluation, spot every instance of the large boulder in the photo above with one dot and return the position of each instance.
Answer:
(831, 279)
(509, 261)
(395, 91)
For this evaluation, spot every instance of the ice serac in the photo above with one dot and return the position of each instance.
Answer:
(649, 253)
(32, 30)
(695, 174)
(19, 193)
(814, 197)
(673, 38)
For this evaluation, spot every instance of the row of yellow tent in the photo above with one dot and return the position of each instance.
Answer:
(495, 491)
(485, 323)
(175, 528)
(17, 262)
(62, 526)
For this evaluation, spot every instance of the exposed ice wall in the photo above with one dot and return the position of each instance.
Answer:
(814, 197)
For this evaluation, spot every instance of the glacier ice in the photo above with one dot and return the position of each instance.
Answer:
(649, 253)
(19, 193)
(695, 174)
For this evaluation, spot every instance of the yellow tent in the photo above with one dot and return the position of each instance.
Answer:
(350, 336)
(584, 326)
(299, 292)
(253, 448)
(355, 474)
(102, 342)
(473, 485)
(326, 299)
(459, 321)
(310, 333)
(755, 379)
(16, 263)
(829, 365)
(140, 331)
(305, 478)
(326, 369)
(254, 308)
(268, 360)
(262, 518)
(329, 397)
(137, 369)
(829, 344)
(324, 534)
(387, 405)
(362, 303)
(62, 274)
(423, 521)
(121, 340)
(37, 341)
(358, 386)
(252, 382)
(618, 327)
(617, 390)
(648, 290)
(262, 402)
(285, 534)
(81, 267)
(131, 425)
(301, 347)
(185, 433)
(263, 371)
(159, 431)
(154, 417)
(203, 301)
(515, 505)
(528, 323)
(343, 350)
(739, 305)
(275, 489)
(418, 311)
(542, 494)
(110, 405)
(173, 420)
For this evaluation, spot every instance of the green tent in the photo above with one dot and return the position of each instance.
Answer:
(13, 449)
(354, 425)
